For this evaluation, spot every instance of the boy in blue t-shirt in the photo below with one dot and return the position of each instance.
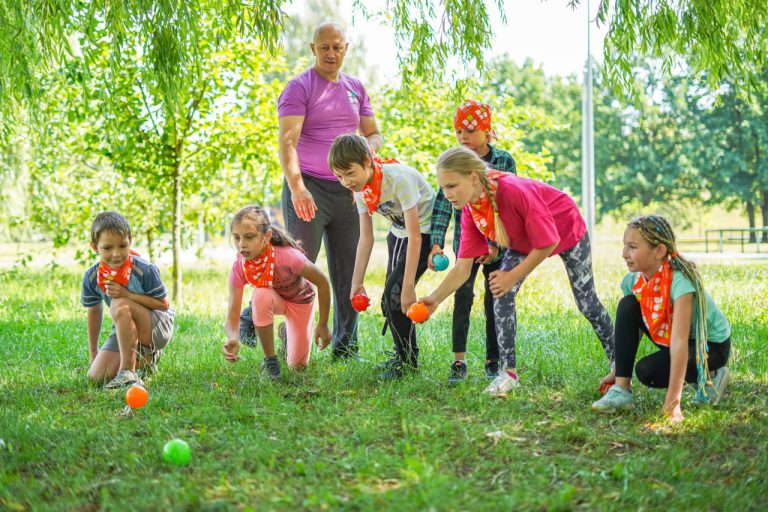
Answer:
(137, 300)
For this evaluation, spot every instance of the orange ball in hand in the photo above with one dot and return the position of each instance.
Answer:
(136, 396)
(418, 312)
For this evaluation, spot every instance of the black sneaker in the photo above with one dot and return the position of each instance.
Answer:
(386, 365)
(458, 372)
(270, 368)
(397, 370)
(347, 354)
(247, 329)
(492, 369)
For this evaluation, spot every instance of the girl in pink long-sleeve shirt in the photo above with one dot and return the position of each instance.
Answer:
(274, 264)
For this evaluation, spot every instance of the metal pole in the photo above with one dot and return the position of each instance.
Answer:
(587, 144)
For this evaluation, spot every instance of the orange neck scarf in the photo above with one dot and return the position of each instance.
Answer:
(372, 191)
(260, 270)
(655, 303)
(482, 210)
(121, 275)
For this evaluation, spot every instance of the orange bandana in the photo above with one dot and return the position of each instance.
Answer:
(260, 271)
(121, 275)
(482, 210)
(372, 191)
(655, 304)
(473, 115)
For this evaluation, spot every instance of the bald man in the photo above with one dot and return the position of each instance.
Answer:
(313, 109)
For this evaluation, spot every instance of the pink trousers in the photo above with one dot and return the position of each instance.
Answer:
(267, 303)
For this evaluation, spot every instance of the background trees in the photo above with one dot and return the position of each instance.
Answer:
(167, 110)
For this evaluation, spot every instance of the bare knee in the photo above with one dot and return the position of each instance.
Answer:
(120, 309)
(98, 375)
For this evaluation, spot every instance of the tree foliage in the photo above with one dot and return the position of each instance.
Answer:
(725, 39)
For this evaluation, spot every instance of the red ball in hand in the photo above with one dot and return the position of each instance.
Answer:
(360, 302)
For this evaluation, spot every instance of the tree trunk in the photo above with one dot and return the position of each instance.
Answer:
(177, 298)
(764, 211)
(751, 215)
(150, 248)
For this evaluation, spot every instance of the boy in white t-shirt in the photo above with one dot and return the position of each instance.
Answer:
(402, 195)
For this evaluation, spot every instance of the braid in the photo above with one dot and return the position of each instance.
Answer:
(501, 234)
(656, 230)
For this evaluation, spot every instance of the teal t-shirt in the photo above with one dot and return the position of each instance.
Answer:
(718, 327)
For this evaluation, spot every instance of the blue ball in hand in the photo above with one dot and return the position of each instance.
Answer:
(440, 261)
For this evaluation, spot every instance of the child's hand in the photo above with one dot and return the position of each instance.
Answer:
(435, 250)
(672, 411)
(608, 381)
(493, 251)
(322, 336)
(407, 297)
(230, 350)
(430, 303)
(357, 289)
(501, 282)
(115, 291)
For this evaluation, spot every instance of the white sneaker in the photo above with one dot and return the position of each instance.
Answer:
(123, 379)
(719, 382)
(502, 385)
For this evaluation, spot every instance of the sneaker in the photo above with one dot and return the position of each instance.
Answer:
(502, 385)
(150, 360)
(458, 372)
(492, 369)
(719, 382)
(393, 359)
(270, 368)
(247, 329)
(615, 399)
(397, 370)
(123, 379)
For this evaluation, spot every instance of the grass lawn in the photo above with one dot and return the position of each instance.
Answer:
(335, 438)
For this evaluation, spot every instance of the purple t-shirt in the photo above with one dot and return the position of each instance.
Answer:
(287, 280)
(329, 109)
(534, 215)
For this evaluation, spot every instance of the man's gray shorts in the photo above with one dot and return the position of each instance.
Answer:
(162, 330)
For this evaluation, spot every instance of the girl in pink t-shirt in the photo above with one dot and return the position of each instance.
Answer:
(272, 261)
(533, 221)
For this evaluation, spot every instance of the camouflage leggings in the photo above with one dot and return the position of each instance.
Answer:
(578, 264)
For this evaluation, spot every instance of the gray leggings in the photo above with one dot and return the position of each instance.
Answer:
(578, 264)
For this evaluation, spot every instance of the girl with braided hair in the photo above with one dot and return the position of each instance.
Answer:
(665, 299)
(533, 221)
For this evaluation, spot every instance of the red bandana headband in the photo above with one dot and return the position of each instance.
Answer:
(473, 115)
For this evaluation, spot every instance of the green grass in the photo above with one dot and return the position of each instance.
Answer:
(335, 438)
